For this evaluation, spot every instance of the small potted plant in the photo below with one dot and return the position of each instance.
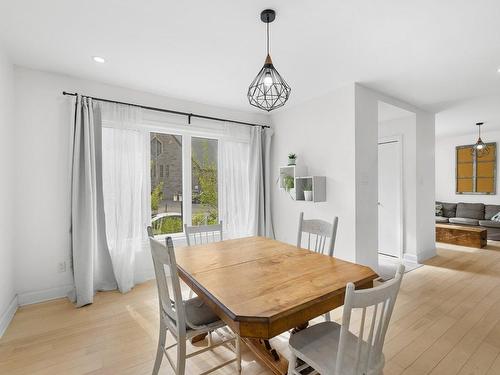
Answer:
(288, 182)
(308, 194)
(292, 159)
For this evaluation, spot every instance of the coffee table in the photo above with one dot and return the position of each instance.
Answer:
(461, 235)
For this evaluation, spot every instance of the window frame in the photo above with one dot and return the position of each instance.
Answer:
(187, 174)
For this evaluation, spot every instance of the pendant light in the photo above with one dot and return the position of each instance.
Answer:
(480, 148)
(268, 90)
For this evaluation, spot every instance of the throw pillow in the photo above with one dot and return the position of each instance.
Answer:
(496, 217)
(439, 209)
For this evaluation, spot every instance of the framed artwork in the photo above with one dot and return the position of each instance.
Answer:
(476, 175)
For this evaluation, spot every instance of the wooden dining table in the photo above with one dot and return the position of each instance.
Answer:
(262, 287)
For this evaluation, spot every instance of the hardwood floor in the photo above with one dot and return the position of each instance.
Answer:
(446, 321)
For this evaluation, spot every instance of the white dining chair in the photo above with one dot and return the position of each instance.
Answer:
(203, 234)
(332, 349)
(319, 234)
(183, 319)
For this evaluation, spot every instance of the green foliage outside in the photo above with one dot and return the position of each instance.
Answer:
(169, 225)
(205, 170)
(156, 197)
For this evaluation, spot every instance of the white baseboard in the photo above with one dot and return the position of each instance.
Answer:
(411, 258)
(426, 254)
(44, 295)
(8, 315)
(420, 257)
(145, 275)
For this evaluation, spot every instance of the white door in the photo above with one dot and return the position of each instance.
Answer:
(389, 198)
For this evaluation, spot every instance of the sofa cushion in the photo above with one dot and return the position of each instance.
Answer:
(491, 210)
(464, 220)
(449, 209)
(489, 223)
(470, 210)
(441, 219)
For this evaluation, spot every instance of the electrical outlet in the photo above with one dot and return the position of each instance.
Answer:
(61, 267)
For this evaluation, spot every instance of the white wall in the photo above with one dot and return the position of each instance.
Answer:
(321, 133)
(405, 128)
(455, 127)
(446, 164)
(43, 122)
(336, 136)
(366, 123)
(7, 163)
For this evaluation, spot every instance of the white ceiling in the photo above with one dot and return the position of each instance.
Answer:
(426, 52)
(461, 117)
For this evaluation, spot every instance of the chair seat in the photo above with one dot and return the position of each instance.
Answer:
(198, 313)
(318, 346)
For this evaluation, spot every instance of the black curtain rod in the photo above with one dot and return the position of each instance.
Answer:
(189, 115)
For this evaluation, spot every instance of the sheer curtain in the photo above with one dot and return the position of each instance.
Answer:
(126, 181)
(234, 188)
(245, 184)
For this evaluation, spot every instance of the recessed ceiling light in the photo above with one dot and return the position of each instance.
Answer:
(98, 59)
(498, 70)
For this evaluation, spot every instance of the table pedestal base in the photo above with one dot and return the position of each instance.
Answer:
(274, 360)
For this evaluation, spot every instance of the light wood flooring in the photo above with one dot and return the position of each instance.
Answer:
(446, 321)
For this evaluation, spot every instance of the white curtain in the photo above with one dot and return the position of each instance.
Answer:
(234, 184)
(245, 184)
(126, 187)
(91, 262)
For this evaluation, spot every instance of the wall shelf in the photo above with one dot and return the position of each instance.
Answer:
(317, 184)
(293, 171)
(298, 173)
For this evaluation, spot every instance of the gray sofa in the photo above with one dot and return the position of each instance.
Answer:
(472, 214)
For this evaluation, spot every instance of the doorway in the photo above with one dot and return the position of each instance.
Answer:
(390, 224)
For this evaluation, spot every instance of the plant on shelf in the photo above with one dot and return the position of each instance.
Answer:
(288, 182)
(292, 159)
(308, 194)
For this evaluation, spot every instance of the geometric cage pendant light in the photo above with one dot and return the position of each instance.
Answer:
(268, 90)
(480, 148)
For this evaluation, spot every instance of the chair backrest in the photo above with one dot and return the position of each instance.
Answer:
(377, 304)
(319, 234)
(198, 235)
(171, 307)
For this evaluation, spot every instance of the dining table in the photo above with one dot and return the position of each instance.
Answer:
(262, 287)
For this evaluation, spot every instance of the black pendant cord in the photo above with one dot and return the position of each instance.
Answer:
(180, 113)
(267, 35)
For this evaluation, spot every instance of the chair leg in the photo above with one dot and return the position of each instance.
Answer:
(159, 351)
(209, 338)
(292, 364)
(238, 353)
(181, 357)
(328, 317)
